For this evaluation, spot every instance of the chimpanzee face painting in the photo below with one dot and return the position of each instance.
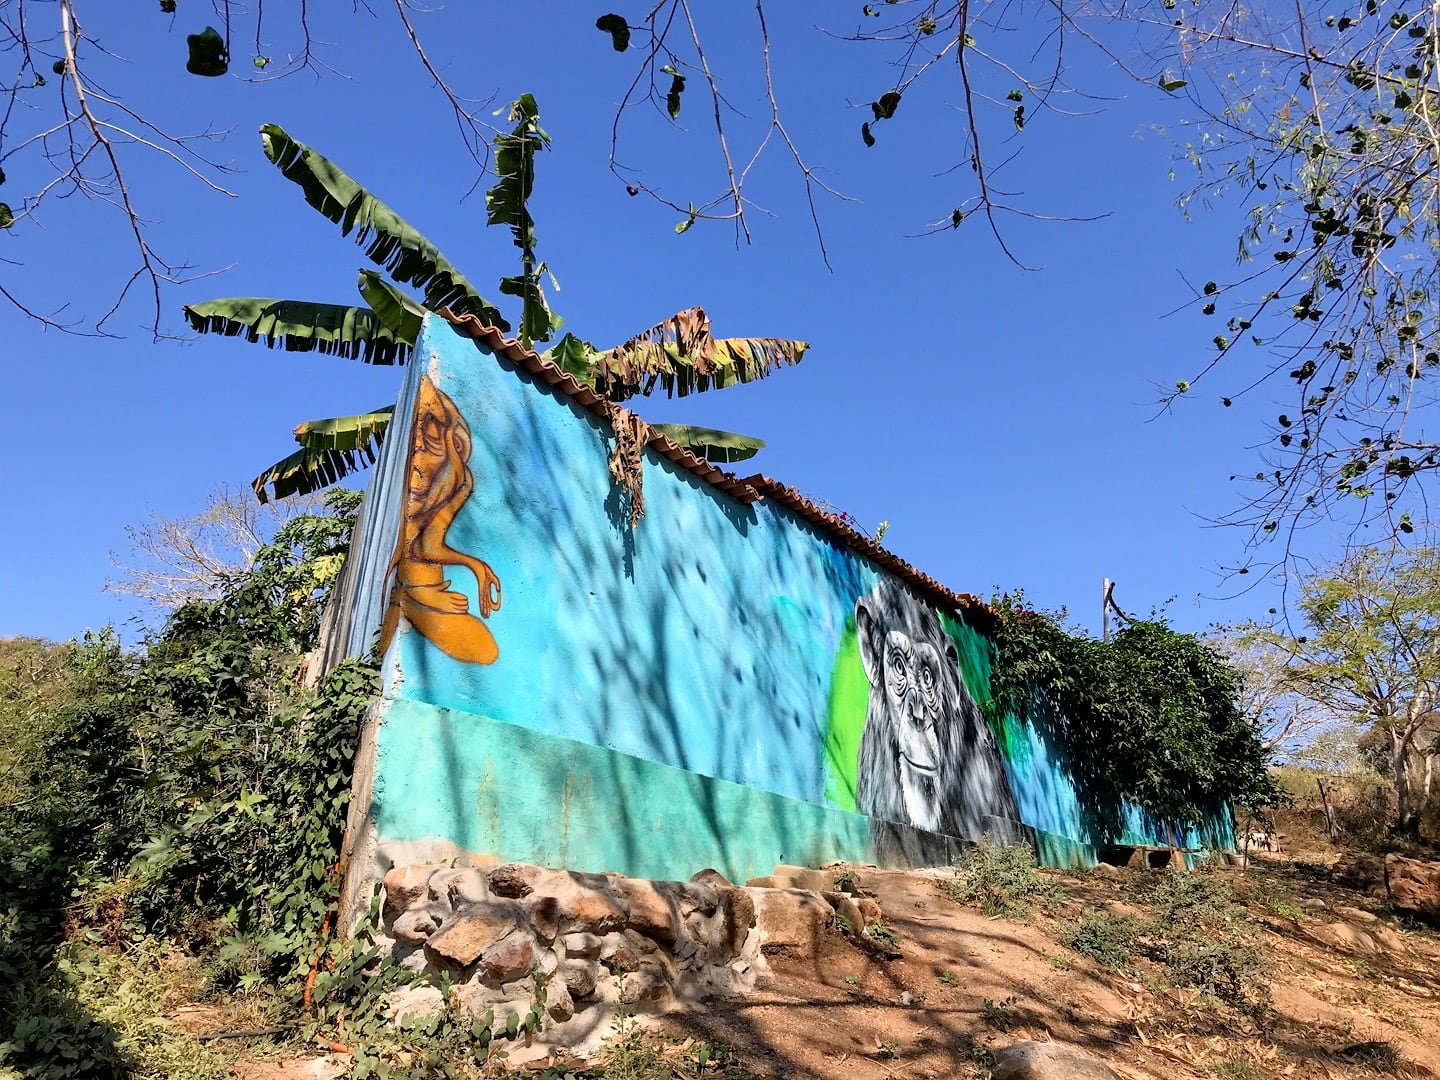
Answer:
(927, 757)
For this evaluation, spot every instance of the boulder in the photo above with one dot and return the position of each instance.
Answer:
(618, 954)
(415, 926)
(711, 877)
(739, 907)
(577, 976)
(869, 909)
(651, 912)
(793, 919)
(582, 945)
(513, 880)
(1414, 886)
(590, 906)
(647, 986)
(406, 886)
(1364, 873)
(468, 885)
(1357, 915)
(509, 958)
(544, 915)
(1048, 1061)
(558, 1002)
(1350, 937)
(848, 909)
(799, 877)
(471, 930)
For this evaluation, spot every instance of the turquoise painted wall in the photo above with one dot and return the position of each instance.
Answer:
(689, 692)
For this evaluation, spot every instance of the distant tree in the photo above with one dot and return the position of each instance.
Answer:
(1281, 715)
(1371, 653)
(1336, 752)
(173, 561)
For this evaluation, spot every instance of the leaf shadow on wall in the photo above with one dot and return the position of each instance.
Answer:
(1101, 816)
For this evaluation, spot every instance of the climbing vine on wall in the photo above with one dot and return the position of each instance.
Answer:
(1151, 716)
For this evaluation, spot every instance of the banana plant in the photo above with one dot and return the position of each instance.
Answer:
(679, 355)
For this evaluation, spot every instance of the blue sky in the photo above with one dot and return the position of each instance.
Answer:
(1000, 420)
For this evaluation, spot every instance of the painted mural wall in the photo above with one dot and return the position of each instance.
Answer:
(724, 684)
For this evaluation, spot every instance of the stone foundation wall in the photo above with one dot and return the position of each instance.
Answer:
(597, 941)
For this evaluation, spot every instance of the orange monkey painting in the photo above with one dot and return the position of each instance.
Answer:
(439, 481)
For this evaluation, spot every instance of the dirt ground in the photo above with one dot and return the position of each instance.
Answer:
(1354, 991)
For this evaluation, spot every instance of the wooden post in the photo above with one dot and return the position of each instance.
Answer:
(1329, 810)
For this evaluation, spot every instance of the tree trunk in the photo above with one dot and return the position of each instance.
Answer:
(1407, 823)
(1330, 829)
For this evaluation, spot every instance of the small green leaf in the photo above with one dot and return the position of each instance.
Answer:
(956, 216)
(865, 134)
(167, 6)
(684, 226)
(677, 87)
(261, 62)
(1208, 309)
(1170, 85)
(7, 216)
(58, 67)
(885, 107)
(1016, 95)
(1182, 386)
(1019, 117)
(1226, 402)
(1211, 288)
(617, 28)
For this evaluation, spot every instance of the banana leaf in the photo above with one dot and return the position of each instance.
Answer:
(681, 356)
(388, 239)
(330, 450)
(720, 447)
(356, 333)
(401, 315)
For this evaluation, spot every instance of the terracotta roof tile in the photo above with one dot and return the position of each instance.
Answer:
(746, 490)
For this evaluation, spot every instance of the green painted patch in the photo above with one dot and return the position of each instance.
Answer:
(521, 795)
(845, 721)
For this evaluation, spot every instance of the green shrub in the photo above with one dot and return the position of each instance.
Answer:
(1002, 879)
(1105, 937)
(191, 790)
(1200, 937)
(1186, 898)
(1226, 968)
